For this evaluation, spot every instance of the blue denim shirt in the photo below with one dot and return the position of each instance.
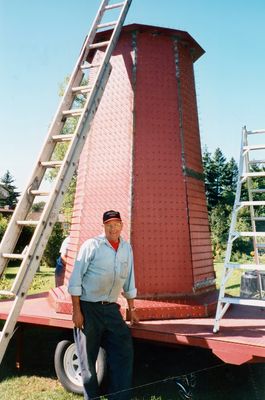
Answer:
(100, 273)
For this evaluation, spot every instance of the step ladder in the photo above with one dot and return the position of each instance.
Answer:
(252, 175)
(78, 91)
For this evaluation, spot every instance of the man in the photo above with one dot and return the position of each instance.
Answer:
(103, 269)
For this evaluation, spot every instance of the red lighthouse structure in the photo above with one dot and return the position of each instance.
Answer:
(143, 158)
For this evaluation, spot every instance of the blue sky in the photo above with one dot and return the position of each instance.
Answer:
(40, 42)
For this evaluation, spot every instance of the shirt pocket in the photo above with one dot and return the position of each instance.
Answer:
(124, 267)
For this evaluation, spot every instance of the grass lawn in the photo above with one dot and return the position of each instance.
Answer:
(43, 280)
(34, 388)
(233, 284)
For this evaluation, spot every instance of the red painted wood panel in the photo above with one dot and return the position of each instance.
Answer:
(160, 231)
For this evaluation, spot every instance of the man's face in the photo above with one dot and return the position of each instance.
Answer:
(113, 230)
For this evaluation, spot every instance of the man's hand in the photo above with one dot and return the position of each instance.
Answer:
(78, 319)
(134, 319)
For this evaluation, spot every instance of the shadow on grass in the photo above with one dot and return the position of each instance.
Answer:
(233, 287)
(9, 275)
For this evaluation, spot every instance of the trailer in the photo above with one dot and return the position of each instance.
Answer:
(240, 340)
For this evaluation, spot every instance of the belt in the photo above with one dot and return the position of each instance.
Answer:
(104, 302)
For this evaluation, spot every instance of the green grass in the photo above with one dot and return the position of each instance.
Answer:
(233, 284)
(33, 388)
(43, 279)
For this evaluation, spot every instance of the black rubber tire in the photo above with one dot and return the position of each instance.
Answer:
(67, 368)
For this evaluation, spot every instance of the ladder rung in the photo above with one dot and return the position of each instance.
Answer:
(51, 164)
(73, 113)
(81, 89)
(252, 203)
(248, 267)
(98, 45)
(252, 174)
(254, 147)
(245, 302)
(7, 293)
(258, 191)
(13, 256)
(112, 6)
(256, 132)
(259, 218)
(88, 66)
(261, 245)
(249, 234)
(39, 193)
(28, 223)
(106, 25)
(62, 138)
(256, 161)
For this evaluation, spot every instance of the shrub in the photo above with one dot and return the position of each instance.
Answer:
(51, 252)
(3, 225)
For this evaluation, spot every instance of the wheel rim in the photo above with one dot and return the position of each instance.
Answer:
(71, 365)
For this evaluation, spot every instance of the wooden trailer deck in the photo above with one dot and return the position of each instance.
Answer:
(241, 337)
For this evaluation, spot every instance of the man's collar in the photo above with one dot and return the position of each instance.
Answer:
(106, 240)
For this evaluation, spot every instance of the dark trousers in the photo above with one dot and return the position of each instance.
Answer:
(104, 326)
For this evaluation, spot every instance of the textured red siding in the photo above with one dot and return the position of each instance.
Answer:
(160, 234)
(196, 199)
(143, 157)
(104, 174)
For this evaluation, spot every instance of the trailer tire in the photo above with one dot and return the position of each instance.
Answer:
(67, 366)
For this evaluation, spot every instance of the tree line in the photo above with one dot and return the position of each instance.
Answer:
(220, 177)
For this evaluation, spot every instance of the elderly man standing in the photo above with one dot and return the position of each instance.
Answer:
(103, 269)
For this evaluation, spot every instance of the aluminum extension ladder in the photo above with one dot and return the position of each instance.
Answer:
(91, 95)
(246, 175)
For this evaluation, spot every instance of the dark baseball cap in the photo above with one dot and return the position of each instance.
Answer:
(111, 215)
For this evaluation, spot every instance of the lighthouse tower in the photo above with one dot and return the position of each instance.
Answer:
(143, 158)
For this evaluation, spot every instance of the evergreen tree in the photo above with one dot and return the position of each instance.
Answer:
(7, 182)
(209, 178)
(220, 178)
(219, 165)
(219, 217)
(220, 183)
(229, 182)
